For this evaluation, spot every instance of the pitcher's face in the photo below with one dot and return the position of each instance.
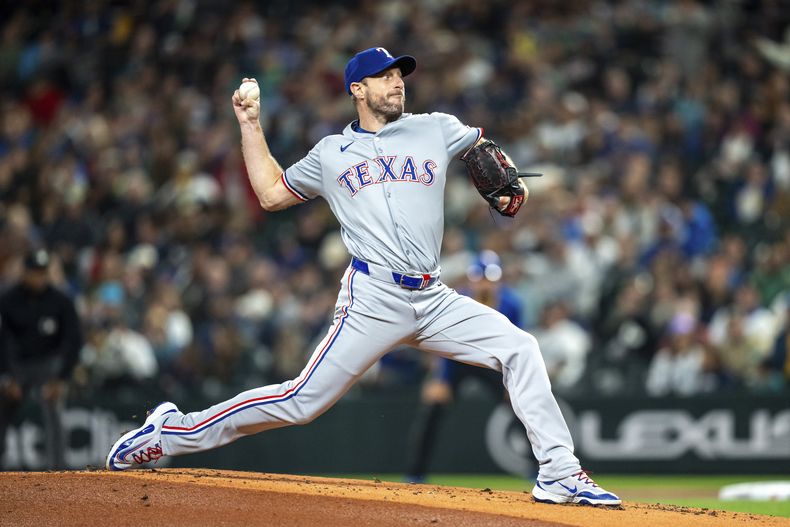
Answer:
(385, 94)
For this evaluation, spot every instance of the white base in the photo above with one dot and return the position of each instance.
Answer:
(762, 491)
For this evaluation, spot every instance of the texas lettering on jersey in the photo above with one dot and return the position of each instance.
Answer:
(387, 168)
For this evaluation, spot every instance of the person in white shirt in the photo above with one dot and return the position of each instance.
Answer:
(681, 367)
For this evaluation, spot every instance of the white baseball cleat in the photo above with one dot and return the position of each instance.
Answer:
(578, 488)
(141, 445)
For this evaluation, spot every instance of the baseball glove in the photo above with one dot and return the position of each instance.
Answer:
(494, 176)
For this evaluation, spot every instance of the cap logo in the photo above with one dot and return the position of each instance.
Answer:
(387, 53)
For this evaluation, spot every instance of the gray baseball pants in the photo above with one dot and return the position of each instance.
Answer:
(371, 317)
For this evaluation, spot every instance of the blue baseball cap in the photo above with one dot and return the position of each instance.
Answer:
(373, 61)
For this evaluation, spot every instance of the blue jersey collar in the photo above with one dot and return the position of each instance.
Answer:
(353, 128)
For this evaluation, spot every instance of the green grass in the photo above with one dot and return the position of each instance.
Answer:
(641, 488)
(700, 485)
(771, 508)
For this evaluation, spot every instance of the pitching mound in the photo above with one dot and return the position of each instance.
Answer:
(208, 497)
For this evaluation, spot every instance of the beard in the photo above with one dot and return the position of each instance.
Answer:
(389, 109)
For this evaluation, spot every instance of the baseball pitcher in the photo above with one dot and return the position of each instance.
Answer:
(383, 177)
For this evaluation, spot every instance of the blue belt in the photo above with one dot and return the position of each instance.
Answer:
(421, 281)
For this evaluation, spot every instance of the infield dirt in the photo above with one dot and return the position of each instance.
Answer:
(165, 497)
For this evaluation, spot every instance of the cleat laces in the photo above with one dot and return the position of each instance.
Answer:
(152, 453)
(584, 478)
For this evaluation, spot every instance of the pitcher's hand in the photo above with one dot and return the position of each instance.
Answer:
(247, 110)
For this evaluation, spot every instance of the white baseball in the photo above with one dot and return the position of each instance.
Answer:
(249, 90)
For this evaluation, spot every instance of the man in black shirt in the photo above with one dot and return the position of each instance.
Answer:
(40, 341)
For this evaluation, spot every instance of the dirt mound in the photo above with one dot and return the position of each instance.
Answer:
(211, 497)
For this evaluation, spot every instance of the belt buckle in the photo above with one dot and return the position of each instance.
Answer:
(405, 286)
(425, 281)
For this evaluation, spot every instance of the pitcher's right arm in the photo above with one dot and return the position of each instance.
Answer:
(264, 172)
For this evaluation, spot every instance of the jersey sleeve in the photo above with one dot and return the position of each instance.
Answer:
(303, 179)
(458, 137)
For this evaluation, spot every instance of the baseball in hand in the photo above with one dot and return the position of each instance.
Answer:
(249, 90)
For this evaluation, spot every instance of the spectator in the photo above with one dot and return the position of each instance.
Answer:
(776, 367)
(628, 340)
(167, 327)
(121, 356)
(743, 334)
(565, 345)
(116, 355)
(40, 339)
(683, 367)
(771, 275)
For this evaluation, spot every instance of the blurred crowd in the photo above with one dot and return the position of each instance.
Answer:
(654, 255)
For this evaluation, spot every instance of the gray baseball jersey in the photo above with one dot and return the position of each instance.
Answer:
(386, 189)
